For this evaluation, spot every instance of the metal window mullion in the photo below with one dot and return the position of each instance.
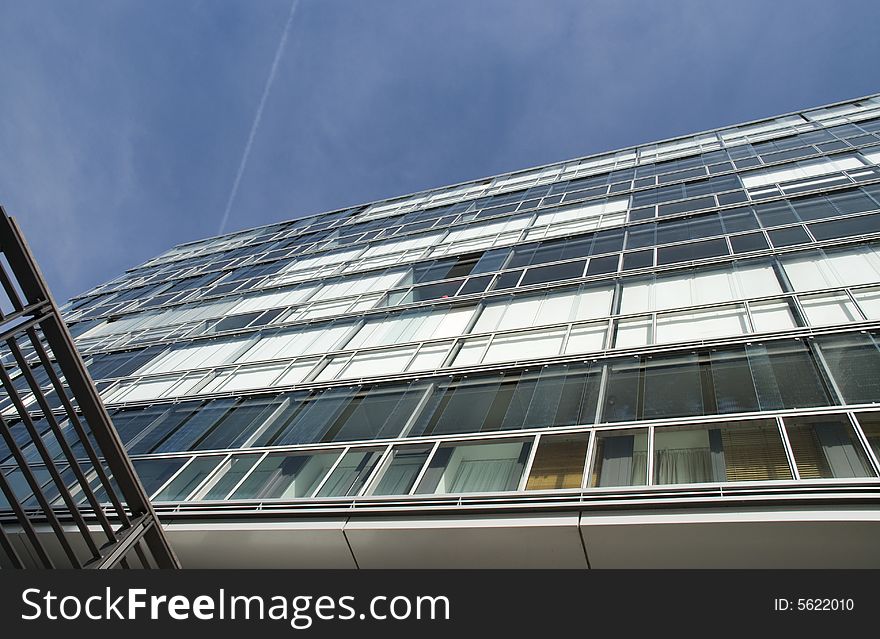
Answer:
(856, 305)
(174, 475)
(424, 468)
(588, 462)
(650, 457)
(246, 475)
(377, 472)
(524, 480)
(866, 445)
(789, 453)
(209, 477)
(330, 471)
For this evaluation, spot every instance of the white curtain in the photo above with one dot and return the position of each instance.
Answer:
(682, 465)
(484, 475)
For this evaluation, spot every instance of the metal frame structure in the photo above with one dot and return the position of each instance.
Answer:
(94, 512)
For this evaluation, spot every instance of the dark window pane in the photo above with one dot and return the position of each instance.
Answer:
(706, 202)
(621, 402)
(775, 214)
(854, 363)
(785, 376)
(554, 272)
(638, 259)
(692, 251)
(813, 208)
(672, 387)
(851, 202)
(620, 459)
(607, 241)
(641, 236)
(788, 237)
(846, 227)
(732, 385)
(402, 470)
(475, 285)
(741, 219)
(602, 265)
(155, 472)
(507, 280)
(748, 242)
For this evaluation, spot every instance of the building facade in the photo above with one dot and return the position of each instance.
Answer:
(662, 356)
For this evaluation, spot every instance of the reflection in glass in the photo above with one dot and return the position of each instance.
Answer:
(227, 476)
(350, 474)
(559, 462)
(475, 468)
(188, 479)
(735, 451)
(286, 476)
(620, 459)
(826, 446)
(402, 470)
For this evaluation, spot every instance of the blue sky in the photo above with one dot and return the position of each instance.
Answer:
(123, 124)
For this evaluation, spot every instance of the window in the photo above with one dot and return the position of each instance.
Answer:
(853, 360)
(719, 321)
(559, 462)
(401, 470)
(350, 473)
(286, 476)
(825, 446)
(829, 308)
(187, 481)
(229, 473)
(475, 468)
(870, 423)
(620, 459)
(719, 452)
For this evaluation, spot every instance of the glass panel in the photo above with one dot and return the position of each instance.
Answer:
(230, 473)
(349, 476)
(672, 387)
(772, 316)
(826, 446)
(620, 458)
(402, 470)
(469, 468)
(525, 345)
(289, 476)
(719, 452)
(155, 472)
(704, 324)
(869, 301)
(587, 338)
(854, 362)
(829, 308)
(870, 423)
(635, 331)
(559, 462)
(189, 479)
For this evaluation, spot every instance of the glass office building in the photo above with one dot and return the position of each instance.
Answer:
(665, 355)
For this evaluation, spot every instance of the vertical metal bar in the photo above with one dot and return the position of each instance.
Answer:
(24, 521)
(72, 416)
(34, 485)
(44, 453)
(31, 285)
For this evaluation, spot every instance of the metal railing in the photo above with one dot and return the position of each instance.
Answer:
(83, 509)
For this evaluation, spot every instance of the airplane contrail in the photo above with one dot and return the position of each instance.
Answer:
(258, 116)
